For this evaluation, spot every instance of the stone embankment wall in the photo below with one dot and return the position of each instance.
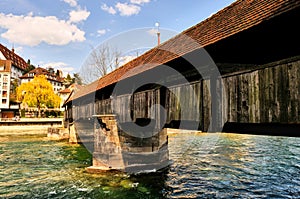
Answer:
(29, 126)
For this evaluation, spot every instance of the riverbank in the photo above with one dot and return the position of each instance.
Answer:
(23, 130)
(32, 121)
(29, 126)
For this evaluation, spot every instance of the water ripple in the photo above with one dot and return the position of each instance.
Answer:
(205, 166)
(241, 166)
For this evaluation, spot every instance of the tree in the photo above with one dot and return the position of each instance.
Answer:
(38, 93)
(68, 81)
(77, 79)
(14, 84)
(101, 61)
(29, 67)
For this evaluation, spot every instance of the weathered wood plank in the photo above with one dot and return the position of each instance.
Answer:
(266, 95)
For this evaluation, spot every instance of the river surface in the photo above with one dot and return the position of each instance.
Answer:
(204, 166)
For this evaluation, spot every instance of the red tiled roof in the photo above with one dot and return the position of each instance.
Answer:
(67, 90)
(42, 71)
(16, 59)
(71, 88)
(237, 17)
(76, 86)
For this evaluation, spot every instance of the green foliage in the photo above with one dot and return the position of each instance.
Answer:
(12, 97)
(77, 79)
(69, 80)
(29, 67)
(14, 84)
(38, 93)
(23, 113)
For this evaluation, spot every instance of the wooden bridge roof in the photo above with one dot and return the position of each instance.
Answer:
(237, 17)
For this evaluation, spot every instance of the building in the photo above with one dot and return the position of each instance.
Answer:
(54, 77)
(65, 94)
(11, 68)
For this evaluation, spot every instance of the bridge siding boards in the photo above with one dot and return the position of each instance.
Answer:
(263, 96)
(238, 37)
(267, 95)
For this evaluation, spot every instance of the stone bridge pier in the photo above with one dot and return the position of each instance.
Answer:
(116, 149)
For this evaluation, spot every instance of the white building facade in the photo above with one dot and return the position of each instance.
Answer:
(11, 68)
(55, 78)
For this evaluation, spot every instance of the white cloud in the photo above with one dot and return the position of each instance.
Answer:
(101, 32)
(126, 9)
(139, 2)
(108, 9)
(78, 15)
(152, 32)
(54, 65)
(65, 68)
(126, 59)
(32, 30)
(19, 50)
(72, 3)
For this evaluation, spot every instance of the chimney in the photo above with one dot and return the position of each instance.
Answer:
(158, 33)
(158, 38)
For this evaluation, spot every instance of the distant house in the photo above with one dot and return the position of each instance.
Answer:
(54, 77)
(11, 67)
(65, 94)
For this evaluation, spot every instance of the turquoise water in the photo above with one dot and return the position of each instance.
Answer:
(204, 166)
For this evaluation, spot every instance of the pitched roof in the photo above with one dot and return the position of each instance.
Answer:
(42, 71)
(67, 90)
(71, 88)
(16, 59)
(237, 17)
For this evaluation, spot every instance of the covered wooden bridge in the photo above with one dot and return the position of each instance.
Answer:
(238, 68)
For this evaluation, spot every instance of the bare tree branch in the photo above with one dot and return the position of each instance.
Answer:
(100, 62)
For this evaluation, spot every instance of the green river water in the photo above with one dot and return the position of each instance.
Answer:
(204, 166)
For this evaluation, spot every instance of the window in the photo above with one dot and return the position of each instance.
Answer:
(4, 94)
(4, 86)
(5, 78)
(4, 101)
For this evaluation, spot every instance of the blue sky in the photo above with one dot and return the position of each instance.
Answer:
(62, 33)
